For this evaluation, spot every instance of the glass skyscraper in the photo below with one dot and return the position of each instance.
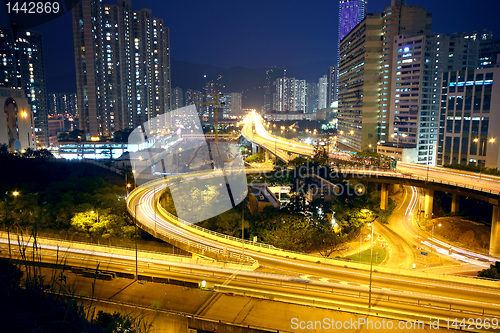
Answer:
(351, 12)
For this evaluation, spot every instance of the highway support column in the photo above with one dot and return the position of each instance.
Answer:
(384, 197)
(267, 155)
(455, 203)
(255, 148)
(429, 203)
(495, 232)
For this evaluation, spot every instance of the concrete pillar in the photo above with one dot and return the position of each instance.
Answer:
(255, 148)
(455, 203)
(395, 188)
(384, 197)
(495, 232)
(429, 202)
(267, 155)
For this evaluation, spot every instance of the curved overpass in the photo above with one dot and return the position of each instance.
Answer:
(482, 187)
(435, 288)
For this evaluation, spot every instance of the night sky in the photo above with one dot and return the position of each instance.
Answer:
(261, 33)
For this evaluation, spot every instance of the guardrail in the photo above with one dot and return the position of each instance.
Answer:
(226, 239)
(182, 242)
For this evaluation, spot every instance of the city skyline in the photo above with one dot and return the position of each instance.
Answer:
(254, 38)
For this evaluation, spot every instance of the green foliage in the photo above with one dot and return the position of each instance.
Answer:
(51, 194)
(298, 161)
(257, 157)
(37, 153)
(102, 225)
(491, 273)
(473, 168)
(116, 322)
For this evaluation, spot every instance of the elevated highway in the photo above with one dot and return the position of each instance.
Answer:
(459, 183)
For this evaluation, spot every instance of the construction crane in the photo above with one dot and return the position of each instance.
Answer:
(216, 103)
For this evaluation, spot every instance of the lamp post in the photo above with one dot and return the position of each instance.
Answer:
(7, 210)
(481, 153)
(136, 259)
(371, 266)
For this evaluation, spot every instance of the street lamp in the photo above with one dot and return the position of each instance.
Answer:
(481, 153)
(371, 265)
(7, 210)
(136, 259)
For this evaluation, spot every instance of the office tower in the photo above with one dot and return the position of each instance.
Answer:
(398, 20)
(122, 61)
(177, 98)
(470, 103)
(332, 95)
(23, 68)
(272, 74)
(351, 12)
(323, 92)
(312, 97)
(489, 48)
(290, 95)
(420, 62)
(359, 84)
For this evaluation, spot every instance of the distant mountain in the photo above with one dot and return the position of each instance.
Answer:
(187, 75)
(249, 82)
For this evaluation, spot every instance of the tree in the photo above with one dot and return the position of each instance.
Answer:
(103, 225)
(320, 156)
(491, 273)
(4, 149)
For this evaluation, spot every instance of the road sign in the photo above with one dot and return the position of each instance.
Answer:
(393, 164)
(423, 253)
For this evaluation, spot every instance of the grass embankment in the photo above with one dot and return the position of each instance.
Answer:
(379, 255)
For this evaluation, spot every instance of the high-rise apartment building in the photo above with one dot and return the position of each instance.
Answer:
(311, 97)
(469, 118)
(323, 92)
(193, 97)
(23, 68)
(177, 98)
(366, 83)
(62, 103)
(272, 74)
(122, 66)
(398, 20)
(359, 84)
(332, 86)
(236, 100)
(290, 95)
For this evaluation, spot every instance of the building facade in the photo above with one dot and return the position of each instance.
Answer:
(351, 12)
(332, 86)
(23, 68)
(272, 74)
(62, 104)
(122, 61)
(359, 84)
(290, 95)
(469, 118)
(322, 92)
(177, 98)
(17, 123)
